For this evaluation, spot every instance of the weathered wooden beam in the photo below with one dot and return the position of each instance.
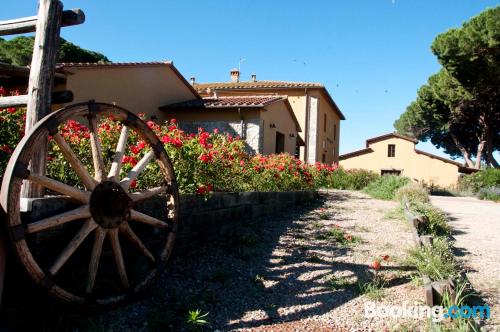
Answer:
(28, 24)
(59, 97)
(41, 81)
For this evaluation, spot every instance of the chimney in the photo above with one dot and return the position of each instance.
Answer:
(254, 77)
(235, 75)
(192, 80)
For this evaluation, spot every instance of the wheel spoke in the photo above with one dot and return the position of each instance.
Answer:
(138, 168)
(117, 251)
(117, 159)
(62, 188)
(99, 170)
(139, 196)
(145, 219)
(100, 235)
(80, 170)
(81, 212)
(86, 229)
(130, 234)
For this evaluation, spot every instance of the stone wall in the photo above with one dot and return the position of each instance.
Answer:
(249, 130)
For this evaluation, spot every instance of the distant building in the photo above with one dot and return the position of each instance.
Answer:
(318, 115)
(396, 154)
(266, 123)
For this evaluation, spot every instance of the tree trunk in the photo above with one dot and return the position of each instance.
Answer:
(489, 146)
(479, 156)
(464, 152)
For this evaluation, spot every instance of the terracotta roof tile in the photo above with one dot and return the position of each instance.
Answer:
(111, 64)
(258, 84)
(228, 102)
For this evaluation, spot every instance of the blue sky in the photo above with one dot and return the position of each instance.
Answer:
(372, 55)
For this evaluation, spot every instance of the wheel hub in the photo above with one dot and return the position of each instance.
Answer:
(110, 205)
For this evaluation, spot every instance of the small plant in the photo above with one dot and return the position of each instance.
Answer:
(386, 186)
(259, 279)
(323, 214)
(395, 214)
(315, 258)
(438, 222)
(196, 318)
(336, 283)
(437, 261)
(412, 192)
(337, 234)
(373, 289)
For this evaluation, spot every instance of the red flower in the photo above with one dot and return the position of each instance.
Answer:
(172, 128)
(173, 121)
(133, 184)
(5, 148)
(348, 237)
(129, 160)
(177, 142)
(11, 110)
(202, 189)
(205, 157)
(151, 124)
(385, 257)
(216, 130)
(375, 265)
(242, 162)
(165, 139)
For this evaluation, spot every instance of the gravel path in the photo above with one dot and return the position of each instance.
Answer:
(476, 229)
(276, 274)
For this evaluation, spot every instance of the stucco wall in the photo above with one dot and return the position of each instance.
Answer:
(298, 101)
(327, 140)
(278, 114)
(140, 89)
(416, 166)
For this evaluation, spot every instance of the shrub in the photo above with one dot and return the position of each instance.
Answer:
(487, 178)
(412, 192)
(492, 194)
(438, 222)
(354, 179)
(385, 186)
(435, 261)
(203, 162)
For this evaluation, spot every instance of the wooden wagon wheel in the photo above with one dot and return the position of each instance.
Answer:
(105, 273)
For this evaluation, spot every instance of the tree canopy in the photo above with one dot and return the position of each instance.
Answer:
(18, 51)
(459, 107)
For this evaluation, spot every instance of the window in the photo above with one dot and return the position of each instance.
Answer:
(324, 122)
(390, 172)
(323, 158)
(391, 150)
(280, 142)
(334, 131)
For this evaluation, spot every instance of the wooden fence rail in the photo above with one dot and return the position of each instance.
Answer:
(28, 24)
(434, 290)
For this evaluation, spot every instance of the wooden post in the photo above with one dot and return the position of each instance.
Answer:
(41, 80)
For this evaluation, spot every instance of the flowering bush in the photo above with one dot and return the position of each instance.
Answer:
(203, 162)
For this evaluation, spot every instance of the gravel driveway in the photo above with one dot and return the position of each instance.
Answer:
(476, 229)
(276, 274)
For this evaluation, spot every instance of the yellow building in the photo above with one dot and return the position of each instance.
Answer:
(266, 123)
(318, 115)
(140, 87)
(396, 154)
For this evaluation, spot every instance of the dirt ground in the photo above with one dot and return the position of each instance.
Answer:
(285, 274)
(476, 230)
